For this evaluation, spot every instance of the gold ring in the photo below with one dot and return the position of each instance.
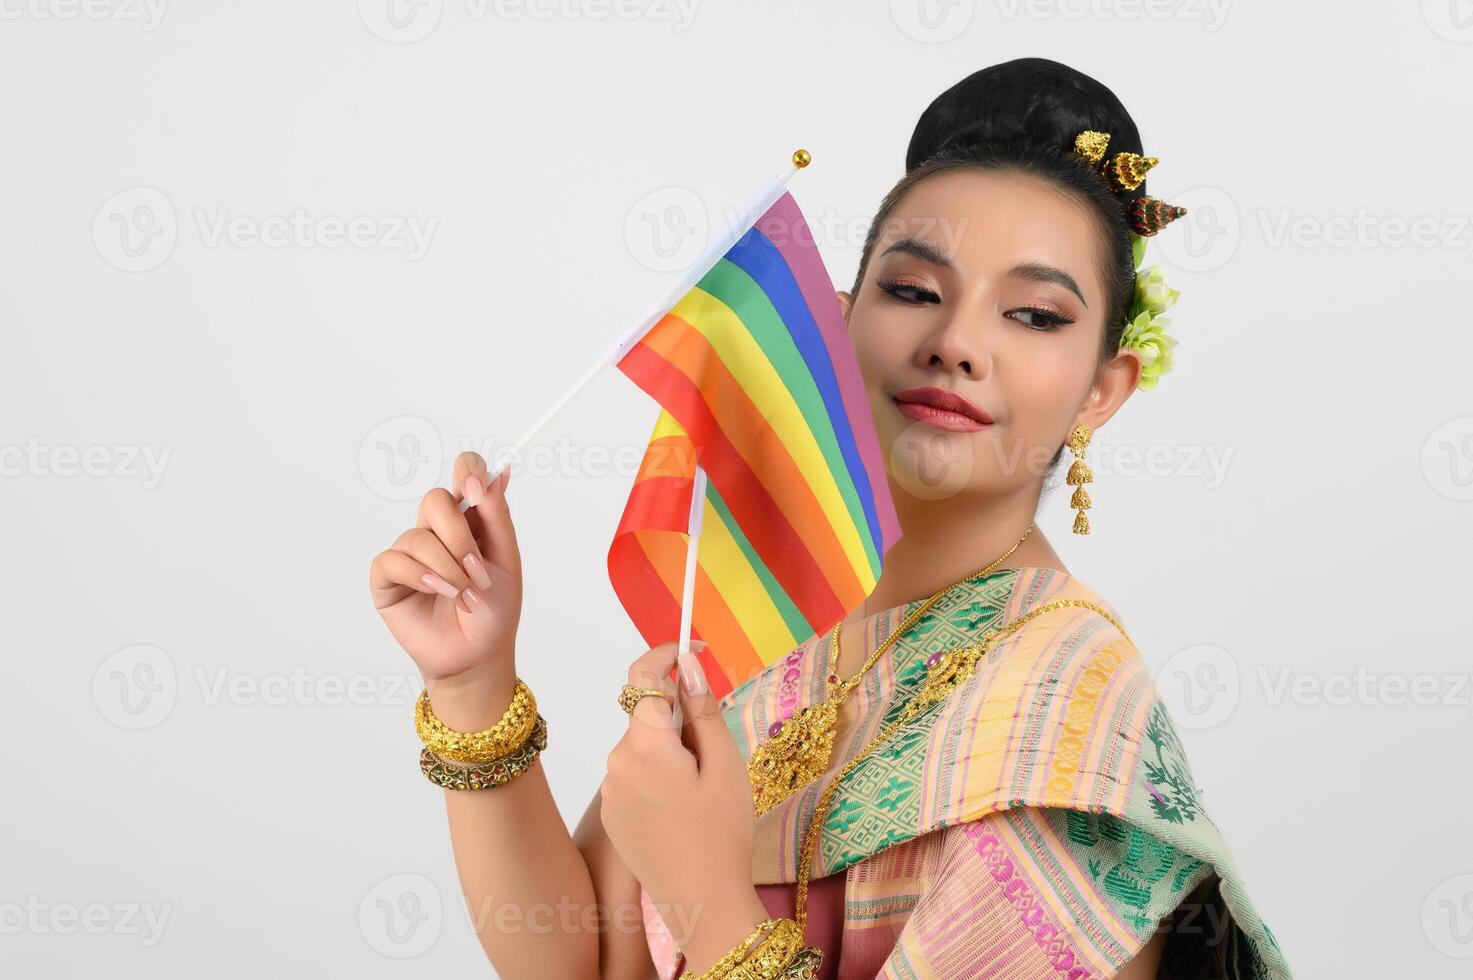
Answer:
(629, 696)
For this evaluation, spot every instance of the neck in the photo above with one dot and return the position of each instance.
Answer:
(945, 540)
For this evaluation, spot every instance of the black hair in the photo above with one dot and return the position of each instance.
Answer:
(1022, 116)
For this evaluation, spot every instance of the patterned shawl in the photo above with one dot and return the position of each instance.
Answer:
(1061, 714)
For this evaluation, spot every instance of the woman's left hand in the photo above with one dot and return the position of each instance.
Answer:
(677, 806)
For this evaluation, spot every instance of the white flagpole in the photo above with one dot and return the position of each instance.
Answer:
(693, 274)
(692, 550)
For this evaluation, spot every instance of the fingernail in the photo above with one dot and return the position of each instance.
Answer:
(474, 601)
(439, 585)
(473, 491)
(476, 569)
(692, 675)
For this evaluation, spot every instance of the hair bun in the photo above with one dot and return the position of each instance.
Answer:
(1030, 100)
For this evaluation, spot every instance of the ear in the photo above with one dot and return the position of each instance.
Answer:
(1115, 382)
(845, 302)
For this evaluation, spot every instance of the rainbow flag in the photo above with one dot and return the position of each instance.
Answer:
(759, 384)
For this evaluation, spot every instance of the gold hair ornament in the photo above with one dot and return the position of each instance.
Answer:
(1125, 171)
(1145, 326)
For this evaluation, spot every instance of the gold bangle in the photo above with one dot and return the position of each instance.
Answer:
(773, 955)
(778, 943)
(449, 775)
(502, 738)
(804, 966)
(722, 968)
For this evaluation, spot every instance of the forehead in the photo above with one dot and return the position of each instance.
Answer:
(990, 221)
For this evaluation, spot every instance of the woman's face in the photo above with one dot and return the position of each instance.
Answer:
(983, 285)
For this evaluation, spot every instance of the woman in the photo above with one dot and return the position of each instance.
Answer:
(1016, 809)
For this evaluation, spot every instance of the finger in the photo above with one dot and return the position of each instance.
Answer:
(648, 763)
(468, 479)
(437, 512)
(705, 732)
(393, 575)
(497, 535)
(425, 547)
(652, 670)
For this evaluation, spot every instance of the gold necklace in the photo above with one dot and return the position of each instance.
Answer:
(948, 671)
(800, 750)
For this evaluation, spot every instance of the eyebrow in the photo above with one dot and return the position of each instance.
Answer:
(1031, 271)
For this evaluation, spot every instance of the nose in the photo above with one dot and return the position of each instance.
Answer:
(956, 345)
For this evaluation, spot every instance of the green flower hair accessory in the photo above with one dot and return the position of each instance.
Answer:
(1145, 328)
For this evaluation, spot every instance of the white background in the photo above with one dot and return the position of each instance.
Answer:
(184, 644)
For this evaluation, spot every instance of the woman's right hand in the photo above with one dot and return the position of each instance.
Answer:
(450, 588)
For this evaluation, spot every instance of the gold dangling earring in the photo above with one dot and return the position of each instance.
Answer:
(1079, 475)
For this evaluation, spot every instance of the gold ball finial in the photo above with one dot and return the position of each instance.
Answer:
(801, 158)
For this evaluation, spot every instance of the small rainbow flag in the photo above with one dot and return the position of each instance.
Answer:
(758, 383)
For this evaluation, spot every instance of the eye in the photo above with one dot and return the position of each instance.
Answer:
(908, 292)
(1040, 319)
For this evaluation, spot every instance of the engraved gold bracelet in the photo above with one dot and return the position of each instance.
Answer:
(773, 955)
(722, 968)
(777, 950)
(804, 966)
(514, 728)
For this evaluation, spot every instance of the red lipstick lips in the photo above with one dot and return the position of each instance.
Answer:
(941, 408)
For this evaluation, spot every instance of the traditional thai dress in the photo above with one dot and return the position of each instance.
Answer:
(1039, 822)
